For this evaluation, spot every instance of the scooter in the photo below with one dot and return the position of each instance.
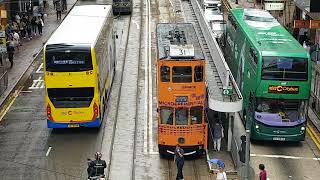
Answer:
(100, 177)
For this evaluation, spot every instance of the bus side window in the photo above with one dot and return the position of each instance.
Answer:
(165, 74)
(253, 54)
(232, 21)
(196, 114)
(198, 73)
(166, 115)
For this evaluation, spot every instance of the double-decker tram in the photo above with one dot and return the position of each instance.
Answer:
(122, 6)
(79, 65)
(181, 90)
(273, 72)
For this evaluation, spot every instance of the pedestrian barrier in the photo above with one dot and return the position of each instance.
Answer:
(314, 102)
(3, 79)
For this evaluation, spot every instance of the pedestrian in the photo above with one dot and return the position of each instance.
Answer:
(263, 172)
(40, 24)
(179, 160)
(29, 30)
(218, 134)
(221, 175)
(18, 18)
(34, 25)
(10, 52)
(16, 40)
(58, 9)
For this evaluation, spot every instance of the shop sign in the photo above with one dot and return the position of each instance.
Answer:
(301, 23)
(309, 24)
(274, 5)
(314, 24)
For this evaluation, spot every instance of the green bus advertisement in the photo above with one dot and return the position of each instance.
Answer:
(273, 72)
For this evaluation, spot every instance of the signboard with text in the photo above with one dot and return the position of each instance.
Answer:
(309, 24)
(274, 5)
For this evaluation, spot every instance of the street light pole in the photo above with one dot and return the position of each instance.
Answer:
(247, 165)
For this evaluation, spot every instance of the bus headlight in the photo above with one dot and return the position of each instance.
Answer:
(303, 128)
(257, 126)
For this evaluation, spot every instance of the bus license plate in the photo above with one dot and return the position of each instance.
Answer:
(73, 125)
(279, 139)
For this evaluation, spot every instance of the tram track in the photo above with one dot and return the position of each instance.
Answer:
(118, 98)
(128, 95)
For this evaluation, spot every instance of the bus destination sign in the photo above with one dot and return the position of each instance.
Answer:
(181, 99)
(283, 89)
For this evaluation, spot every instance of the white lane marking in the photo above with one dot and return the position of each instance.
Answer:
(150, 82)
(40, 69)
(37, 83)
(284, 157)
(135, 22)
(48, 151)
(145, 128)
(26, 91)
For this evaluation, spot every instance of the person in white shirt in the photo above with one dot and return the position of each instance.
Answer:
(16, 39)
(221, 175)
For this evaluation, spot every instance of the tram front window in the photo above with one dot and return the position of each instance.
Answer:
(166, 115)
(181, 74)
(198, 73)
(182, 116)
(196, 115)
(165, 74)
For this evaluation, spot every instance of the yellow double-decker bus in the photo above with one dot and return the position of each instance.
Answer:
(79, 65)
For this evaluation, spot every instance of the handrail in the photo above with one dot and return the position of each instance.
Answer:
(220, 63)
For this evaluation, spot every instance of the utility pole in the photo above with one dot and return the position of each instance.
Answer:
(247, 165)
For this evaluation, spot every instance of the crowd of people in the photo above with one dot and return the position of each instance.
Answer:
(27, 25)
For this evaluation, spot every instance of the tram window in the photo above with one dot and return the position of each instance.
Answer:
(166, 115)
(165, 74)
(182, 116)
(182, 74)
(198, 73)
(196, 115)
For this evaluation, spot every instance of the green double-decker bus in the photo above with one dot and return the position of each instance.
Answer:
(273, 72)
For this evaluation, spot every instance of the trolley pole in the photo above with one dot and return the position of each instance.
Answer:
(247, 159)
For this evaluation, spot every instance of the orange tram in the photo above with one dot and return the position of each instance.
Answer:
(181, 90)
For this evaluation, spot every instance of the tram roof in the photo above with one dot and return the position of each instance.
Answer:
(174, 37)
(82, 25)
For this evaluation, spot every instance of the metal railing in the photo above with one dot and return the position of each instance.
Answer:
(314, 102)
(3, 79)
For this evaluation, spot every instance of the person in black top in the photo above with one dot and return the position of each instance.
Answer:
(179, 160)
(96, 167)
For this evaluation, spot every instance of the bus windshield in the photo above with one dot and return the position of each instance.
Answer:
(275, 112)
(71, 97)
(62, 60)
(284, 69)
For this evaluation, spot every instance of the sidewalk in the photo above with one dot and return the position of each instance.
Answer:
(24, 57)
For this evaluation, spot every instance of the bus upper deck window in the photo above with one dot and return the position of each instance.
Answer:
(182, 74)
(182, 116)
(196, 114)
(198, 73)
(165, 74)
(166, 115)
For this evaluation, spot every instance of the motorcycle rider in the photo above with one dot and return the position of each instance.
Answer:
(96, 167)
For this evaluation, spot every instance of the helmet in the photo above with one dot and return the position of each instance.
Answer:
(98, 155)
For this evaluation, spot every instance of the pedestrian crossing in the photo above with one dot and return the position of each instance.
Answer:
(38, 83)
